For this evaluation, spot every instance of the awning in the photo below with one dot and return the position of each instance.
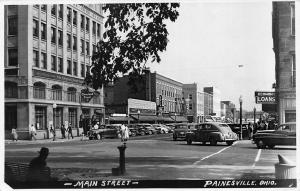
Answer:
(179, 118)
(148, 118)
(165, 119)
(119, 118)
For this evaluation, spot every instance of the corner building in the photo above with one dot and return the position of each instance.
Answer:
(48, 51)
(283, 29)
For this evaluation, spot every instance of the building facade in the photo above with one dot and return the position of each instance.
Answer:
(283, 29)
(195, 103)
(216, 100)
(165, 92)
(48, 51)
(208, 104)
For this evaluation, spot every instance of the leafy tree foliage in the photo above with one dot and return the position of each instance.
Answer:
(134, 34)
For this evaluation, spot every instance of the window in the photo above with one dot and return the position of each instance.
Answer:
(293, 70)
(82, 46)
(40, 117)
(69, 14)
(12, 57)
(60, 64)
(35, 28)
(190, 96)
(53, 10)
(74, 17)
(87, 48)
(69, 41)
(60, 38)
(73, 117)
(87, 24)
(12, 26)
(39, 90)
(293, 19)
(43, 31)
(94, 28)
(98, 30)
(88, 69)
(60, 11)
(69, 67)
(43, 7)
(71, 94)
(11, 90)
(290, 116)
(74, 43)
(190, 106)
(75, 68)
(53, 63)
(36, 6)
(35, 57)
(82, 72)
(82, 22)
(44, 60)
(53, 35)
(56, 92)
(94, 48)
(10, 117)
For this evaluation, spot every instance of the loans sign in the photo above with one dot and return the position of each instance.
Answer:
(86, 95)
(265, 97)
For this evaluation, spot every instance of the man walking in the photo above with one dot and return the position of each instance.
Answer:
(63, 131)
(70, 131)
(52, 131)
(32, 132)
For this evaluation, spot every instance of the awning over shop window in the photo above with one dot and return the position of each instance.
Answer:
(119, 118)
(142, 118)
(165, 119)
(179, 119)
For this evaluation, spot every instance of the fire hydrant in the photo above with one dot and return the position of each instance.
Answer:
(285, 169)
(121, 169)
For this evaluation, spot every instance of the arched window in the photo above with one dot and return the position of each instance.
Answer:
(56, 92)
(11, 90)
(39, 90)
(72, 94)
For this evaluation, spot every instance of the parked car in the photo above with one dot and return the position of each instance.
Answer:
(105, 131)
(284, 134)
(132, 130)
(180, 130)
(212, 132)
(170, 127)
(162, 129)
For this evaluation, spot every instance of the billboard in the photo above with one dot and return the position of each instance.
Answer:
(265, 97)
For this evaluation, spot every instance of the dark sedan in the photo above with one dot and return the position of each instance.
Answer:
(181, 129)
(284, 134)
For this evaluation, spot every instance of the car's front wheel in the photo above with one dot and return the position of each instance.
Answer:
(213, 141)
(229, 143)
(260, 144)
(271, 146)
(189, 141)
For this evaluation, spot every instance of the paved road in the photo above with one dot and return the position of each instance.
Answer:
(155, 157)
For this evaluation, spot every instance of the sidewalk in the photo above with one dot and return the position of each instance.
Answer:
(44, 141)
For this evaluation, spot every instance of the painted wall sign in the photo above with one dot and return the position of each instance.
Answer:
(265, 97)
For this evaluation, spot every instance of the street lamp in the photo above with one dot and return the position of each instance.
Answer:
(54, 114)
(254, 114)
(241, 103)
(138, 112)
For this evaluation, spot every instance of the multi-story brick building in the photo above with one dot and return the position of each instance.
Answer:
(216, 100)
(195, 102)
(48, 50)
(285, 58)
(165, 92)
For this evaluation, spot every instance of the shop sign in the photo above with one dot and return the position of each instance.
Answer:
(265, 97)
(86, 95)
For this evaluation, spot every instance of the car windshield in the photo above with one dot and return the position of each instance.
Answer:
(181, 127)
(224, 128)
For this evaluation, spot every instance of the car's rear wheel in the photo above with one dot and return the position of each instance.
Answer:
(229, 143)
(203, 143)
(213, 141)
(90, 138)
(150, 133)
(174, 138)
(189, 141)
(260, 144)
(271, 146)
(99, 137)
(142, 133)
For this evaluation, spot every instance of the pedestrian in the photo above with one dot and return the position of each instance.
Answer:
(250, 130)
(126, 133)
(32, 132)
(14, 134)
(123, 128)
(70, 131)
(52, 131)
(38, 170)
(63, 131)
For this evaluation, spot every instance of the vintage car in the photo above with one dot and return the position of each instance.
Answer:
(180, 130)
(284, 134)
(161, 129)
(236, 128)
(212, 132)
(105, 131)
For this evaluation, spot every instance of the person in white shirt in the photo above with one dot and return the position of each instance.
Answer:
(32, 132)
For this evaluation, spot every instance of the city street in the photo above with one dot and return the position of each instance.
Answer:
(155, 157)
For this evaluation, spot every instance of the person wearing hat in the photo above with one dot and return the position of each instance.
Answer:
(38, 169)
(70, 131)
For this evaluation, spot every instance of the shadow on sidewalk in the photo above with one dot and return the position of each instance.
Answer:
(80, 173)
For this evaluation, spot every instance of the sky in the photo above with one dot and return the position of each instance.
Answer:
(210, 40)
